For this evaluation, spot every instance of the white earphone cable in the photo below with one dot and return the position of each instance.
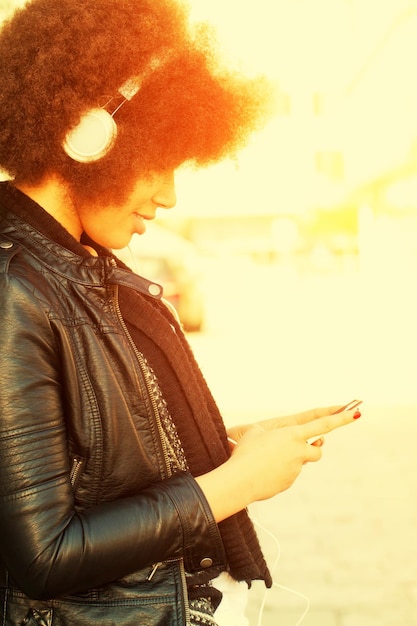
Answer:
(277, 585)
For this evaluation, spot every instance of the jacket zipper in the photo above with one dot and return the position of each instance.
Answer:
(186, 605)
(75, 471)
(185, 594)
(164, 452)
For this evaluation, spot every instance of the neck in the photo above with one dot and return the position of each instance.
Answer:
(52, 195)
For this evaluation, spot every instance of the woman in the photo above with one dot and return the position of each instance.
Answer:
(122, 499)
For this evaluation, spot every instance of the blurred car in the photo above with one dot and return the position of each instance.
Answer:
(173, 262)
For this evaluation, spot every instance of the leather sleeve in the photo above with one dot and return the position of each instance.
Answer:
(48, 547)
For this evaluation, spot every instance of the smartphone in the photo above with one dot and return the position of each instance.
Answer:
(349, 406)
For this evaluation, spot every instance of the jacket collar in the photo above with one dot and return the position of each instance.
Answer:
(26, 223)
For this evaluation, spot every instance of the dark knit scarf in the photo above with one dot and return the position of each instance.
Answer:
(196, 417)
(191, 405)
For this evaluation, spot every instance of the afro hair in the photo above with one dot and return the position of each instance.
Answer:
(60, 59)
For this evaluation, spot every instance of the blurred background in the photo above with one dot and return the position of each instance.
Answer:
(293, 270)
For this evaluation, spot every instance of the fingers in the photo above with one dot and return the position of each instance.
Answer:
(314, 414)
(326, 424)
(298, 418)
(304, 417)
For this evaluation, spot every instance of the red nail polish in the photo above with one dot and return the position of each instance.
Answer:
(357, 415)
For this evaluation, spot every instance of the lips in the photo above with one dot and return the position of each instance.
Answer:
(140, 225)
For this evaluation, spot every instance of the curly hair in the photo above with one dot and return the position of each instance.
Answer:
(60, 59)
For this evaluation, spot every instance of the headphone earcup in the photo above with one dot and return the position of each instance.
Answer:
(92, 139)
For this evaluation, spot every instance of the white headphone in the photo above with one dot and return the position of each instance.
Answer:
(92, 138)
(95, 134)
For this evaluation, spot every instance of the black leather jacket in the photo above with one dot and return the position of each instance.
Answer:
(87, 503)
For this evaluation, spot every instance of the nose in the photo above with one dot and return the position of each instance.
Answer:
(165, 195)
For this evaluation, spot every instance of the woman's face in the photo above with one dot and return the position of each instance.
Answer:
(113, 226)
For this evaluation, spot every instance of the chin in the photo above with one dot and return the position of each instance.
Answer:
(117, 243)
